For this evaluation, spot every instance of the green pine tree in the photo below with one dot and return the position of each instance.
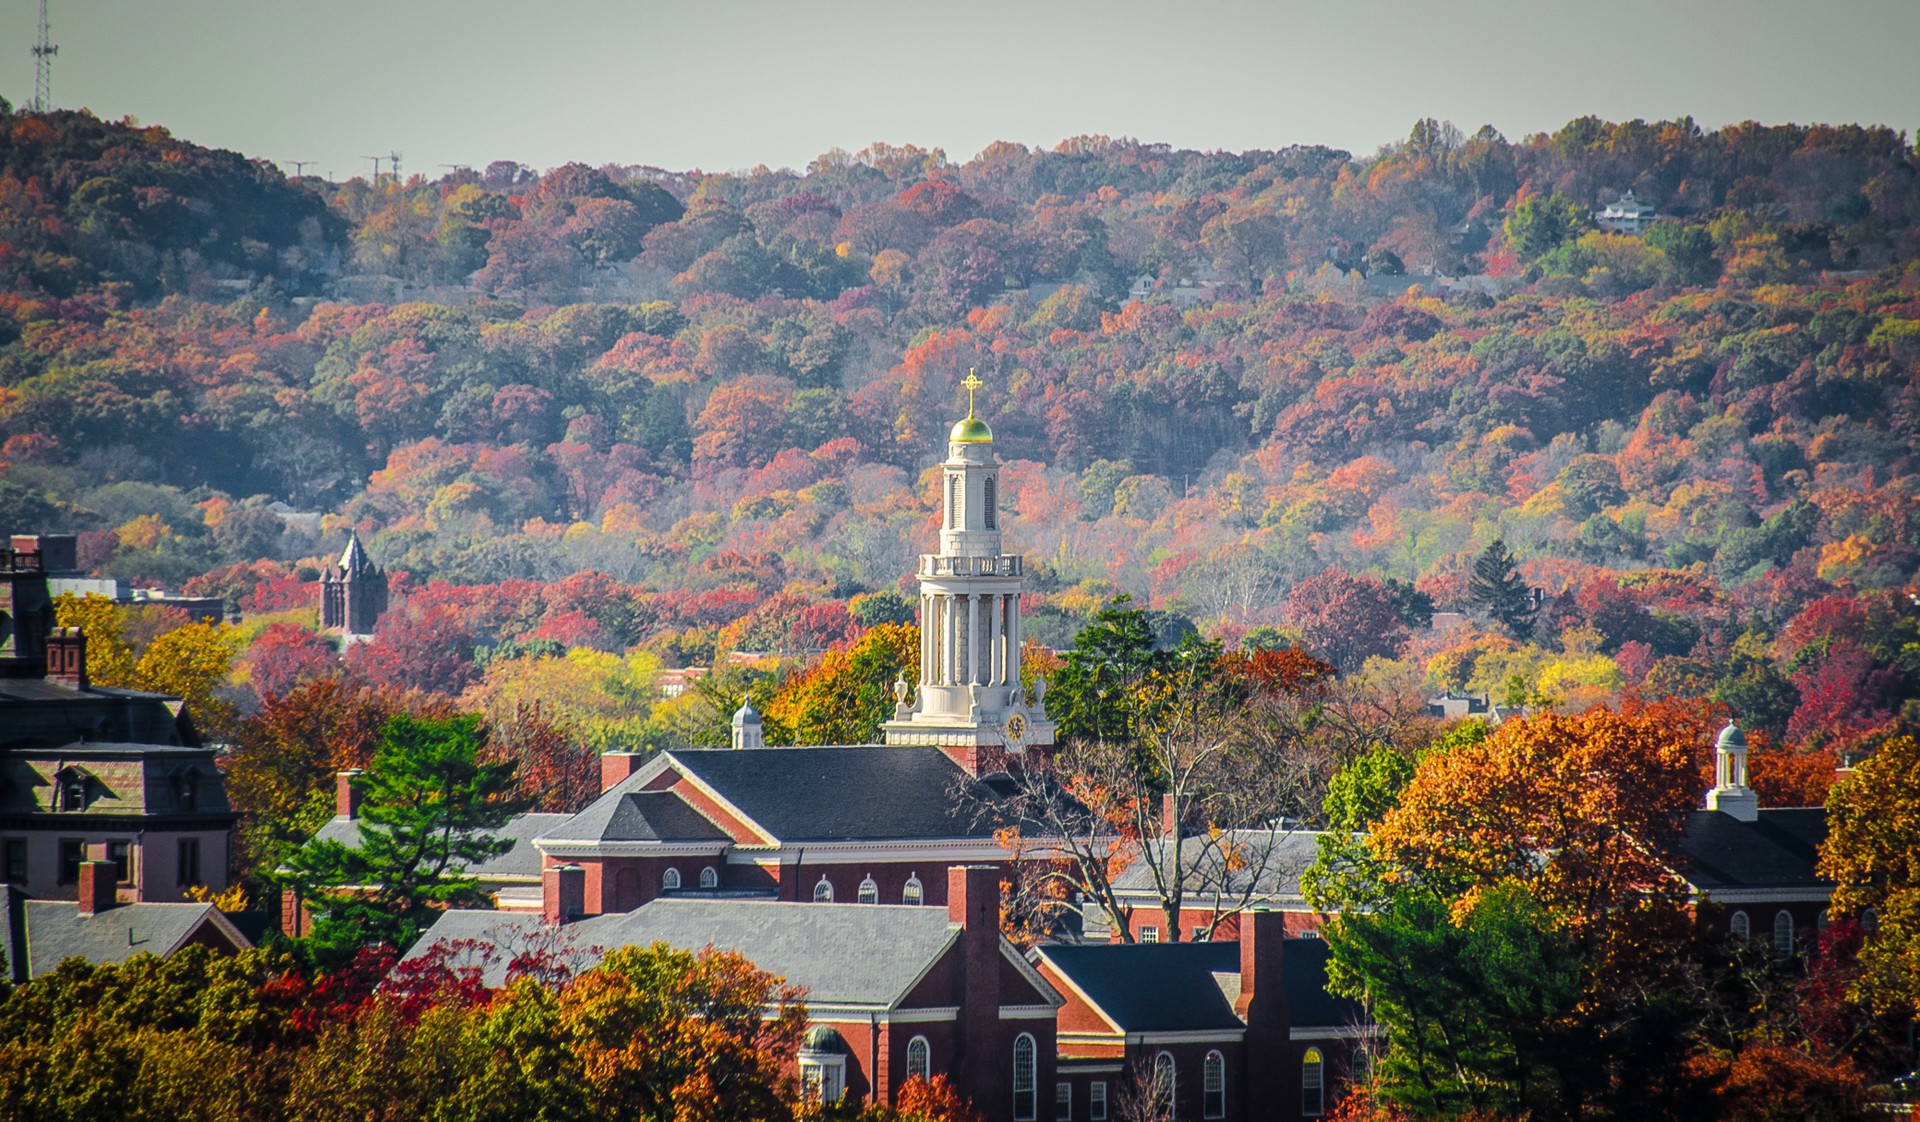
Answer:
(429, 810)
(1497, 586)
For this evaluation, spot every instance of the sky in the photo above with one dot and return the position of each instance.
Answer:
(722, 85)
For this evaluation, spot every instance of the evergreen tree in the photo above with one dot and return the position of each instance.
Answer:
(1497, 586)
(429, 808)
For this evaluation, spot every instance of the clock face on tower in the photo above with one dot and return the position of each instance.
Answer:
(1016, 729)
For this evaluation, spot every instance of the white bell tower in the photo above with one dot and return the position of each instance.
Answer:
(969, 699)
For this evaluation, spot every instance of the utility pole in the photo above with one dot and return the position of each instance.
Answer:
(43, 52)
(376, 167)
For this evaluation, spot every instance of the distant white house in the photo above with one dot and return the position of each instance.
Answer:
(1625, 215)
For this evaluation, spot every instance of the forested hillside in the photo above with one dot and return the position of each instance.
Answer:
(692, 413)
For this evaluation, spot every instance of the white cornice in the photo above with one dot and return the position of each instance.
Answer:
(923, 1016)
(567, 847)
(1795, 894)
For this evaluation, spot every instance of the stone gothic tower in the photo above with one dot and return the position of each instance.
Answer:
(352, 593)
(969, 700)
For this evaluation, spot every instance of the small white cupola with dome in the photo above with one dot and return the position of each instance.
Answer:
(1730, 794)
(748, 731)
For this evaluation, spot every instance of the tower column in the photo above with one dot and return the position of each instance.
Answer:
(973, 640)
(997, 672)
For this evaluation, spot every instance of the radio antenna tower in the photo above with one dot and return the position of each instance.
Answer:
(43, 52)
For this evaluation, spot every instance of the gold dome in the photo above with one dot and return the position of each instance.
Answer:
(971, 430)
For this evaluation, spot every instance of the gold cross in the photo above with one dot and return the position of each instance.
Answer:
(972, 382)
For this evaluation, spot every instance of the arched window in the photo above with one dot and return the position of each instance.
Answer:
(990, 505)
(1362, 1066)
(1163, 1085)
(919, 1058)
(823, 892)
(1213, 1082)
(869, 892)
(1741, 926)
(670, 880)
(913, 893)
(1313, 1084)
(1783, 932)
(1024, 1077)
(709, 877)
(1870, 920)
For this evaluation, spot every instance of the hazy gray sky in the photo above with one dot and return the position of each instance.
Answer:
(699, 83)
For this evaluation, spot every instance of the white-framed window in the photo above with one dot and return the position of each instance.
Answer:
(709, 877)
(1740, 925)
(1149, 933)
(1062, 1097)
(869, 892)
(1362, 1065)
(1313, 1084)
(913, 893)
(1097, 1100)
(1200, 934)
(1213, 1085)
(823, 892)
(1025, 1106)
(1164, 1079)
(919, 1058)
(824, 1079)
(670, 880)
(1783, 932)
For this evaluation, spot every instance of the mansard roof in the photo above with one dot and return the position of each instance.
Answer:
(1780, 850)
(843, 954)
(865, 793)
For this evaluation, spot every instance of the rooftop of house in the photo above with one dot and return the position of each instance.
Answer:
(41, 934)
(1264, 865)
(46, 713)
(862, 793)
(521, 861)
(1190, 987)
(1781, 849)
(627, 815)
(842, 954)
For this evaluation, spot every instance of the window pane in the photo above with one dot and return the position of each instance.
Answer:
(1063, 1102)
(1097, 1101)
(187, 871)
(1024, 1106)
(1312, 1084)
(71, 854)
(121, 855)
(17, 860)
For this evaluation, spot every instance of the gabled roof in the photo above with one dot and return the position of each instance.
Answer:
(624, 814)
(1780, 850)
(865, 793)
(843, 954)
(1189, 987)
(56, 931)
(523, 860)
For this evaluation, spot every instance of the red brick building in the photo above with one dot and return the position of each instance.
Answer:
(1226, 1031)
(892, 990)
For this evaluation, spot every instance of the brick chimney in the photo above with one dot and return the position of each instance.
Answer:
(617, 766)
(563, 893)
(973, 902)
(67, 656)
(346, 793)
(98, 880)
(1263, 999)
(1169, 816)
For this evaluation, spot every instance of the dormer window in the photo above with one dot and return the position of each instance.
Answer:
(670, 880)
(823, 892)
(913, 893)
(187, 790)
(709, 877)
(869, 891)
(74, 788)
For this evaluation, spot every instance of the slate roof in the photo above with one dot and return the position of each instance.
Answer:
(1780, 850)
(56, 931)
(1152, 987)
(1287, 855)
(843, 954)
(844, 793)
(1188, 987)
(523, 860)
(628, 815)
